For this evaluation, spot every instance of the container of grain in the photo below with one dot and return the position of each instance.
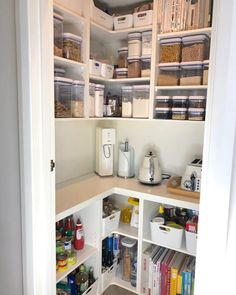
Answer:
(141, 101)
(170, 50)
(205, 72)
(179, 113)
(191, 73)
(196, 114)
(195, 48)
(146, 66)
(72, 47)
(134, 67)
(122, 57)
(127, 101)
(58, 31)
(77, 102)
(92, 99)
(169, 74)
(62, 92)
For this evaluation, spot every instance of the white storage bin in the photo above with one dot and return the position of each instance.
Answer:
(101, 18)
(143, 18)
(191, 242)
(108, 276)
(123, 22)
(110, 223)
(92, 290)
(107, 71)
(167, 236)
(95, 67)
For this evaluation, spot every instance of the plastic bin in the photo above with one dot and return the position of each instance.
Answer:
(58, 31)
(141, 101)
(191, 73)
(110, 223)
(195, 48)
(92, 290)
(107, 71)
(95, 67)
(143, 18)
(77, 102)
(108, 276)
(72, 47)
(101, 18)
(123, 22)
(147, 43)
(170, 50)
(169, 74)
(191, 242)
(62, 91)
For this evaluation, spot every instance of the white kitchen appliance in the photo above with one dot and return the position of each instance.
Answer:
(191, 180)
(126, 160)
(150, 171)
(105, 140)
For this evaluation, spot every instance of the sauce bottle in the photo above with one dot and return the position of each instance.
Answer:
(79, 236)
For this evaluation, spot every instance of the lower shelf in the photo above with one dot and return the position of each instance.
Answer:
(82, 256)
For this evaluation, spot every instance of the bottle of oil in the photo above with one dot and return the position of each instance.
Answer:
(82, 280)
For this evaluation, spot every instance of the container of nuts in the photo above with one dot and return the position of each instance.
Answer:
(170, 50)
(195, 48)
(62, 92)
(169, 74)
(72, 47)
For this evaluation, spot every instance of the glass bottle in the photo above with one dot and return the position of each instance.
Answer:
(82, 280)
(91, 278)
(69, 226)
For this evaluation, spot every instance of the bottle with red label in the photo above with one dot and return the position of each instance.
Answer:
(79, 236)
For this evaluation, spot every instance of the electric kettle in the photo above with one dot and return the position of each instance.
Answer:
(150, 171)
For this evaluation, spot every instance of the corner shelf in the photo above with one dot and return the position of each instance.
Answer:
(120, 81)
(206, 31)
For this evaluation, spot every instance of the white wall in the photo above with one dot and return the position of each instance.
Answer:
(10, 207)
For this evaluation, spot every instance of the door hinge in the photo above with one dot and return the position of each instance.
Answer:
(52, 165)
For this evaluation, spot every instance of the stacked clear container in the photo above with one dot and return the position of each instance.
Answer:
(191, 73)
(77, 102)
(163, 107)
(127, 101)
(197, 105)
(134, 44)
(169, 74)
(195, 48)
(99, 100)
(145, 66)
(147, 43)
(58, 37)
(72, 47)
(62, 91)
(92, 100)
(134, 67)
(170, 50)
(141, 101)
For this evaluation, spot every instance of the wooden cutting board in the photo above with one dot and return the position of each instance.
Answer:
(177, 190)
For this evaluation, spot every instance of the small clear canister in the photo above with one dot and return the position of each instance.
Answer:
(62, 91)
(99, 100)
(77, 102)
(127, 101)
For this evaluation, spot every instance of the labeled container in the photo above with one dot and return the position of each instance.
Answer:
(170, 50)
(110, 223)
(147, 43)
(145, 66)
(58, 34)
(92, 99)
(191, 242)
(62, 91)
(128, 257)
(101, 18)
(163, 101)
(141, 101)
(191, 73)
(72, 47)
(195, 48)
(196, 114)
(179, 113)
(134, 67)
(197, 101)
(122, 57)
(77, 102)
(162, 113)
(180, 101)
(121, 73)
(205, 72)
(123, 22)
(58, 72)
(99, 100)
(127, 101)
(134, 44)
(143, 18)
(169, 74)
(95, 67)
(107, 71)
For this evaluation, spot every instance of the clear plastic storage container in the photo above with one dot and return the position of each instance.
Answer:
(170, 50)
(121, 73)
(134, 44)
(162, 113)
(62, 90)
(179, 101)
(129, 260)
(163, 101)
(141, 101)
(134, 67)
(58, 31)
(179, 113)
(72, 47)
(195, 48)
(196, 114)
(92, 99)
(191, 73)
(197, 101)
(146, 66)
(169, 74)
(58, 72)
(205, 72)
(127, 101)
(77, 102)
(99, 100)
(147, 43)
(122, 57)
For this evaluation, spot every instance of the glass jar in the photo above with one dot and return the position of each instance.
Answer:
(145, 66)
(127, 101)
(58, 31)
(121, 73)
(163, 101)
(128, 259)
(92, 99)
(99, 100)
(195, 48)
(191, 73)
(147, 43)
(134, 44)
(122, 57)
(162, 113)
(196, 114)
(58, 72)
(77, 102)
(205, 72)
(72, 47)
(179, 101)
(141, 101)
(179, 113)
(169, 74)
(170, 50)
(197, 102)
(62, 91)
(134, 67)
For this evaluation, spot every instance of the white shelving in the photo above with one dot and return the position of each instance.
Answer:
(120, 81)
(206, 31)
(179, 87)
(68, 63)
(69, 15)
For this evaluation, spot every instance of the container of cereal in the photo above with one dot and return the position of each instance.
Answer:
(134, 67)
(121, 73)
(99, 100)
(197, 102)
(191, 73)
(170, 50)
(169, 74)
(162, 113)
(92, 99)
(179, 101)
(58, 31)
(77, 102)
(141, 101)
(196, 114)
(163, 101)
(134, 44)
(179, 113)
(195, 48)
(147, 43)
(122, 57)
(205, 72)
(62, 92)
(72, 47)
(146, 66)
(127, 101)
